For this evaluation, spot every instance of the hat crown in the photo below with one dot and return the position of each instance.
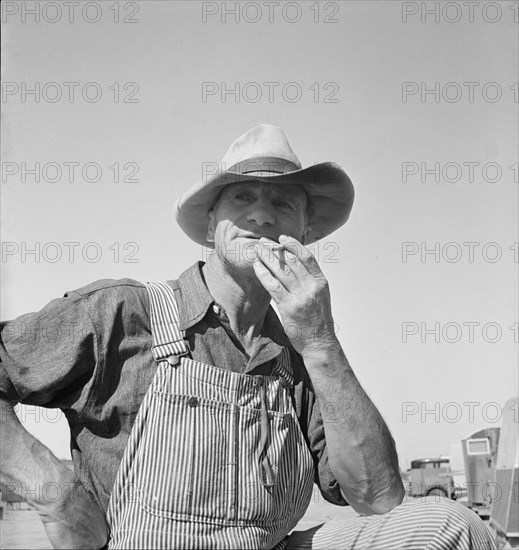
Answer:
(264, 140)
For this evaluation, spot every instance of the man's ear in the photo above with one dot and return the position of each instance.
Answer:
(210, 228)
(305, 237)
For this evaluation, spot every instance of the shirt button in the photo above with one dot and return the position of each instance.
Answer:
(192, 401)
(216, 309)
(173, 360)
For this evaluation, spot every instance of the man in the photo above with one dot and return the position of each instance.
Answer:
(196, 420)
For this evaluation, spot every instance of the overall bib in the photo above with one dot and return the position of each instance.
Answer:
(215, 459)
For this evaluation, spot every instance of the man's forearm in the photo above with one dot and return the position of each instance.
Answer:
(71, 517)
(27, 466)
(361, 450)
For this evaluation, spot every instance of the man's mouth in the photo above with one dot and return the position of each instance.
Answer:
(269, 240)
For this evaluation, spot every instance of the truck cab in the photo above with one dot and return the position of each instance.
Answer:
(430, 476)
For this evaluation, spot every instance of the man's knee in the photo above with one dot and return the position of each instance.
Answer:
(454, 525)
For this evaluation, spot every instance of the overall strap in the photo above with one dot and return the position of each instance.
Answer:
(284, 368)
(168, 339)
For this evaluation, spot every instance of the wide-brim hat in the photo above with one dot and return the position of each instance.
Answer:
(264, 154)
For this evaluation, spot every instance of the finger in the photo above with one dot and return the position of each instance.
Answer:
(270, 283)
(284, 265)
(303, 256)
(274, 257)
(286, 271)
(273, 253)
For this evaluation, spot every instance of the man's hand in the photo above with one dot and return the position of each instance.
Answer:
(294, 280)
(77, 522)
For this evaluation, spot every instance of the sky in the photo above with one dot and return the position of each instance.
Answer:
(133, 102)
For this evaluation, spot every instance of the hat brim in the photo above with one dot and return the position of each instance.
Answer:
(329, 189)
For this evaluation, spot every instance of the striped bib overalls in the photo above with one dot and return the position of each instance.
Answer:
(215, 459)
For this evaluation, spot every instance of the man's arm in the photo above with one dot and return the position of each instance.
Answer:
(32, 471)
(361, 451)
(49, 368)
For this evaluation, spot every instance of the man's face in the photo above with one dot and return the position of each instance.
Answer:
(247, 211)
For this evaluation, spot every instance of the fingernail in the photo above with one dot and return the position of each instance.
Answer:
(283, 238)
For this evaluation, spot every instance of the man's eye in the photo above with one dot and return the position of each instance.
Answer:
(243, 196)
(285, 204)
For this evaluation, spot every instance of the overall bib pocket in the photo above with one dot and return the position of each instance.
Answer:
(188, 471)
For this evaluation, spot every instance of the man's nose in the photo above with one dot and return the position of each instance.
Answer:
(261, 213)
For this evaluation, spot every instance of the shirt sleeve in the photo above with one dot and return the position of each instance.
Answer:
(47, 358)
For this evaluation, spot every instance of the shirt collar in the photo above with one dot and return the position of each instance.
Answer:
(195, 300)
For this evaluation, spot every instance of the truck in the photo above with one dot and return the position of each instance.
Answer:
(489, 475)
(504, 508)
(480, 458)
(428, 477)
